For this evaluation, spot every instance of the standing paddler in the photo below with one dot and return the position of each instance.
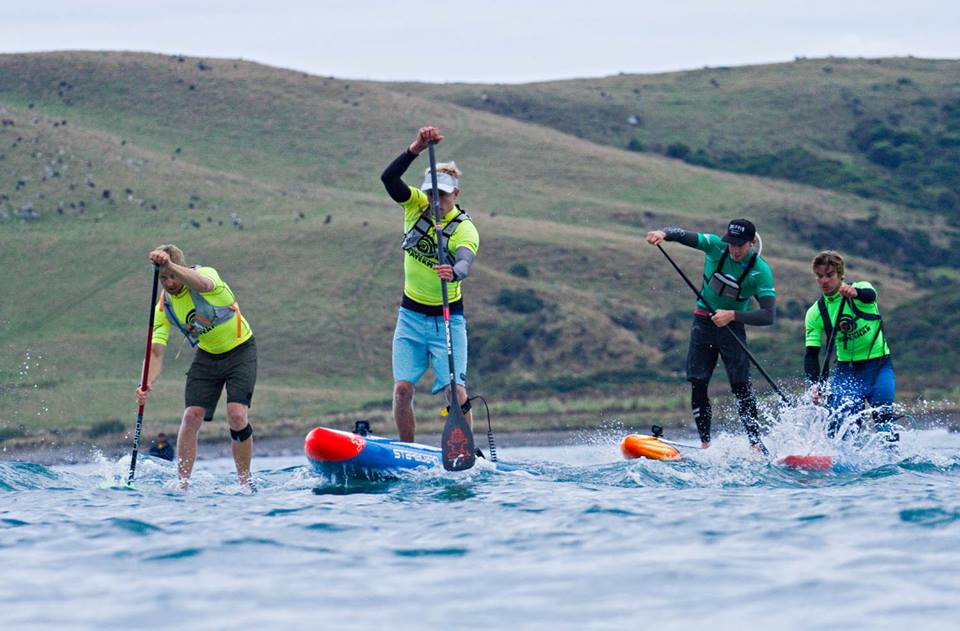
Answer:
(864, 371)
(419, 339)
(197, 301)
(733, 273)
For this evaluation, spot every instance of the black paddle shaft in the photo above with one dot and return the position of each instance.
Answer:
(832, 341)
(712, 311)
(456, 442)
(145, 374)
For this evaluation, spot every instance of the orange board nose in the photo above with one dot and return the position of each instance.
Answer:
(331, 445)
(640, 446)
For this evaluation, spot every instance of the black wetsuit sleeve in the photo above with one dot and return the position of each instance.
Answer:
(681, 236)
(763, 316)
(866, 295)
(811, 363)
(392, 177)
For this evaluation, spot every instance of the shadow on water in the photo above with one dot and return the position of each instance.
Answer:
(355, 487)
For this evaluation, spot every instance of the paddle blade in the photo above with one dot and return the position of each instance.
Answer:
(118, 484)
(456, 443)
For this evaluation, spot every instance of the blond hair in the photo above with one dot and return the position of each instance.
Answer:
(450, 168)
(831, 259)
(176, 254)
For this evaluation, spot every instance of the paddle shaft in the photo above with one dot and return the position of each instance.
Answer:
(455, 418)
(753, 360)
(832, 341)
(145, 374)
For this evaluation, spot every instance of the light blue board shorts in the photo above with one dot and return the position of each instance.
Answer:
(420, 341)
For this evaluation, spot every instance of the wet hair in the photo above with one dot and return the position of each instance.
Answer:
(176, 254)
(450, 168)
(830, 258)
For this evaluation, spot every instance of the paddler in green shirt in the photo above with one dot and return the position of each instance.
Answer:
(733, 273)
(864, 370)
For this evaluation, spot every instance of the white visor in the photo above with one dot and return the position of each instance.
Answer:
(445, 183)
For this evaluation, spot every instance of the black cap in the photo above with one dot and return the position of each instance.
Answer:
(740, 231)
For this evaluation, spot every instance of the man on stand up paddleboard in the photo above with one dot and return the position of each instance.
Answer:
(202, 306)
(733, 273)
(864, 371)
(419, 338)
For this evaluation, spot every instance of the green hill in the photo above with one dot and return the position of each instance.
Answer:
(881, 128)
(272, 176)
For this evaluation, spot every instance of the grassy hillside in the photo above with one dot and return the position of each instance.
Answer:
(881, 128)
(272, 177)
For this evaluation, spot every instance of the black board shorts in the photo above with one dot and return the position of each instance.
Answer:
(237, 369)
(708, 342)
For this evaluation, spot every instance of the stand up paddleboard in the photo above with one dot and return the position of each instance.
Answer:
(642, 446)
(807, 463)
(360, 455)
(654, 447)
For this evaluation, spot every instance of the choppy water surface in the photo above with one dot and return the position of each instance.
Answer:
(579, 539)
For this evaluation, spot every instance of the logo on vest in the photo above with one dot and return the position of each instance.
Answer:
(426, 246)
(197, 325)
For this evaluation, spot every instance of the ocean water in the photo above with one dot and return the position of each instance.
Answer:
(577, 539)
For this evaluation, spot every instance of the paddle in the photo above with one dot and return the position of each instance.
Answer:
(831, 342)
(456, 442)
(144, 374)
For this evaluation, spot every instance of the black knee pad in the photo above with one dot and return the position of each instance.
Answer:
(243, 434)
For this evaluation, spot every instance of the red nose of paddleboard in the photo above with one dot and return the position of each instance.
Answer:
(331, 445)
(807, 463)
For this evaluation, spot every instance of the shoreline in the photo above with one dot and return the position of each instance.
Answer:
(84, 450)
(268, 447)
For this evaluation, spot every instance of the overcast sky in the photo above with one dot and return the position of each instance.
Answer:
(488, 40)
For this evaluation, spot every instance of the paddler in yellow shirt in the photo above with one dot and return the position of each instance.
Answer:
(197, 301)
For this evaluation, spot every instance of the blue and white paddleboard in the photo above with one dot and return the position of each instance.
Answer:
(336, 453)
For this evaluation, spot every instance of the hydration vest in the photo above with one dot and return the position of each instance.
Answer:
(726, 285)
(416, 238)
(847, 325)
(203, 318)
